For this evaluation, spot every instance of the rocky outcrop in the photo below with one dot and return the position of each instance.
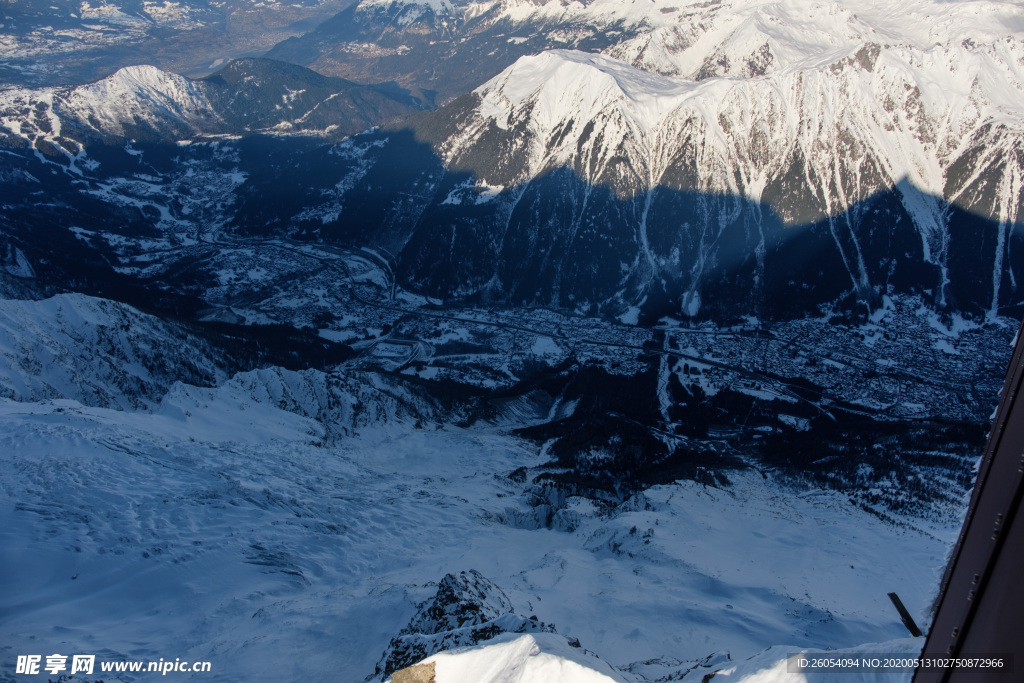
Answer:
(466, 610)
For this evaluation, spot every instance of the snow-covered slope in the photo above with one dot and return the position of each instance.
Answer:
(864, 123)
(229, 535)
(532, 658)
(746, 39)
(774, 665)
(546, 658)
(97, 352)
(342, 403)
(139, 98)
(467, 609)
(135, 102)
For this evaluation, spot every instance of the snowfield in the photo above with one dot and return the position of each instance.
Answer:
(521, 659)
(546, 657)
(223, 532)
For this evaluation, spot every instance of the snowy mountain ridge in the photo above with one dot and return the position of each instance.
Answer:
(44, 43)
(340, 404)
(246, 96)
(510, 658)
(916, 113)
(107, 354)
(944, 125)
(700, 39)
(750, 39)
(97, 352)
(138, 95)
(134, 101)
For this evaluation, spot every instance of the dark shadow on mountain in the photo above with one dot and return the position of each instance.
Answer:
(556, 241)
(258, 93)
(46, 202)
(561, 242)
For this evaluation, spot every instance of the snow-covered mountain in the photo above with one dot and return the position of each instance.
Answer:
(468, 609)
(749, 39)
(528, 658)
(246, 96)
(578, 180)
(890, 143)
(365, 519)
(411, 41)
(343, 404)
(137, 99)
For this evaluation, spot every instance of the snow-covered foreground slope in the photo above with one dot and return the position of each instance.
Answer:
(743, 39)
(546, 658)
(521, 659)
(812, 143)
(134, 101)
(773, 665)
(909, 114)
(222, 532)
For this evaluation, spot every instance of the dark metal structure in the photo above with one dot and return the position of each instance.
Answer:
(981, 603)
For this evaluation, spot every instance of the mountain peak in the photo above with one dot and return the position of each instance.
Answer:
(566, 84)
(140, 97)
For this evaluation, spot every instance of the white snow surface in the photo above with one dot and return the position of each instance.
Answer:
(220, 528)
(94, 351)
(911, 115)
(139, 93)
(771, 666)
(682, 37)
(530, 658)
(133, 99)
(285, 524)
(547, 658)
